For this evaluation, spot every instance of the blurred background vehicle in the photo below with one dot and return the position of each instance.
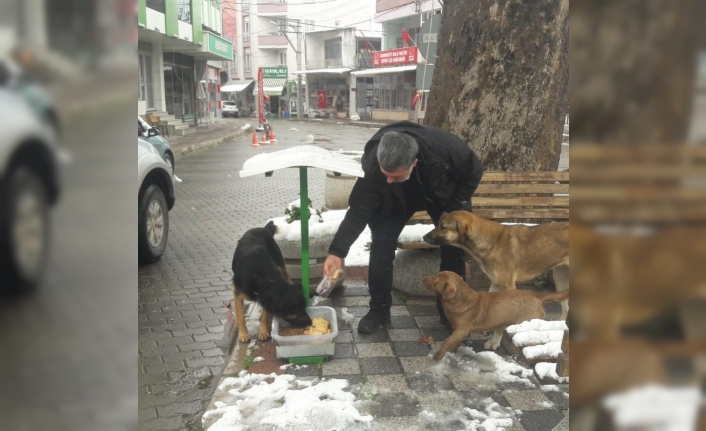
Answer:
(155, 199)
(14, 79)
(152, 135)
(29, 181)
(230, 109)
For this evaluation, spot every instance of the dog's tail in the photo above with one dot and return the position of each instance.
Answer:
(272, 227)
(554, 296)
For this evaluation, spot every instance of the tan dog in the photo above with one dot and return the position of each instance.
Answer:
(508, 253)
(471, 311)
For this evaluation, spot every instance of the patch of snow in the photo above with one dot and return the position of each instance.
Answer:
(248, 402)
(355, 117)
(317, 229)
(246, 126)
(548, 370)
(551, 388)
(531, 338)
(359, 254)
(415, 232)
(549, 350)
(310, 139)
(546, 404)
(258, 359)
(293, 129)
(285, 366)
(347, 317)
(492, 417)
(655, 407)
(537, 325)
(484, 369)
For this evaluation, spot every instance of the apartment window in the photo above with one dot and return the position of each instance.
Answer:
(283, 58)
(184, 10)
(308, 25)
(246, 64)
(246, 30)
(157, 5)
(332, 49)
(145, 80)
(245, 5)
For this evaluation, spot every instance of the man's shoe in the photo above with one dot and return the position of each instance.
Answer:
(374, 320)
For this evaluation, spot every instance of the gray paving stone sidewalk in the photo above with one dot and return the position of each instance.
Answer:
(395, 372)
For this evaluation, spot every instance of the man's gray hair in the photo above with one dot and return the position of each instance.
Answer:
(396, 150)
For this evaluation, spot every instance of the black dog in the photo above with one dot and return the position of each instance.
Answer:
(260, 275)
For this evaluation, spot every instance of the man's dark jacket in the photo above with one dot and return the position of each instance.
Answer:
(449, 171)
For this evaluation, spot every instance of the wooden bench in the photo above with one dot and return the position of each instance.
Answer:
(526, 197)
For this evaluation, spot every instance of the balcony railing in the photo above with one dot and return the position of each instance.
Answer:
(272, 6)
(246, 37)
(271, 40)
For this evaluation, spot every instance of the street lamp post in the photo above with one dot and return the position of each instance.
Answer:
(298, 51)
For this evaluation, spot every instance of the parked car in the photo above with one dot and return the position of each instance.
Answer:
(13, 78)
(154, 200)
(29, 187)
(230, 109)
(151, 135)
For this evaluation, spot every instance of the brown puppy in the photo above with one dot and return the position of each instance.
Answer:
(471, 311)
(508, 253)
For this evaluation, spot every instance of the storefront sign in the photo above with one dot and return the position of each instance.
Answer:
(260, 96)
(393, 57)
(429, 38)
(275, 72)
(220, 46)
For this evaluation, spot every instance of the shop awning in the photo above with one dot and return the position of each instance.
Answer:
(271, 86)
(332, 71)
(236, 86)
(382, 70)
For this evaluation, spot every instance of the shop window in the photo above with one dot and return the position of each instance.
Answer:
(157, 5)
(184, 10)
(145, 80)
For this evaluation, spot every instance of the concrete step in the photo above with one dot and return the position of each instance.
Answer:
(183, 132)
(169, 122)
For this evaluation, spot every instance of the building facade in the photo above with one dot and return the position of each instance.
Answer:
(181, 53)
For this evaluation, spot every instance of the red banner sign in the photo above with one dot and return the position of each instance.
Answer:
(392, 57)
(260, 97)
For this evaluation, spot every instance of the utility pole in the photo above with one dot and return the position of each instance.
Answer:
(300, 111)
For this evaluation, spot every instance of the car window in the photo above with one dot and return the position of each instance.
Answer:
(229, 103)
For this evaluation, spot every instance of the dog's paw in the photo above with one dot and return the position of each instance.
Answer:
(243, 337)
(264, 336)
(491, 345)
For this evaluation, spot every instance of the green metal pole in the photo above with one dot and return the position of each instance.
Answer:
(304, 211)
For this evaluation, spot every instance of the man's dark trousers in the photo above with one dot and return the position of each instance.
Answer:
(382, 256)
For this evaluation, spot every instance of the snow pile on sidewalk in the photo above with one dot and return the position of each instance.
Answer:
(415, 232)
(317, 229)
(494, 417)
(484, 369)
(286, 403)
(656, 407)
(547, 370)
(540, 340)
(537, 325)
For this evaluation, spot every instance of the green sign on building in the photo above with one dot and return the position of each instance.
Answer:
(274, 72)
(220, 46)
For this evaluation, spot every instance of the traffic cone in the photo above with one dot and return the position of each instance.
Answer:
(254, 139)
(264, 138)
(272, 136)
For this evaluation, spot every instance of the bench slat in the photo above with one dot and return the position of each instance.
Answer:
(524, 176)
(554, 201)
(513, 189)
(639, 194)
(635, 173)
(514, 213)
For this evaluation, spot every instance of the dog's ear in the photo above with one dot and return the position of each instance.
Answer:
(463, 227)
(448, 290)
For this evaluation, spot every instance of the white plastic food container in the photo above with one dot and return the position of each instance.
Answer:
(306, 345)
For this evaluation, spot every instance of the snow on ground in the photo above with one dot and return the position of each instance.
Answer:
(292, 231)
(486, 369)
(347, 317)
(494, 417)
(548, 370)
(359, 254)
(537, 325)
(415, 232)
(286, 403)
(532, 338)
(655, 407)
(549, 350)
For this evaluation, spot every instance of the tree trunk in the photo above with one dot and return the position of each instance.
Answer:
(632, 70)
(501, 80)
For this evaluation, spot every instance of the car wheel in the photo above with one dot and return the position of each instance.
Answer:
(24, 232)
(169, 160)
(153, 224)
(236, 115)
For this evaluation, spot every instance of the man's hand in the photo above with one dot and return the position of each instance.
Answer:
(332, 262)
